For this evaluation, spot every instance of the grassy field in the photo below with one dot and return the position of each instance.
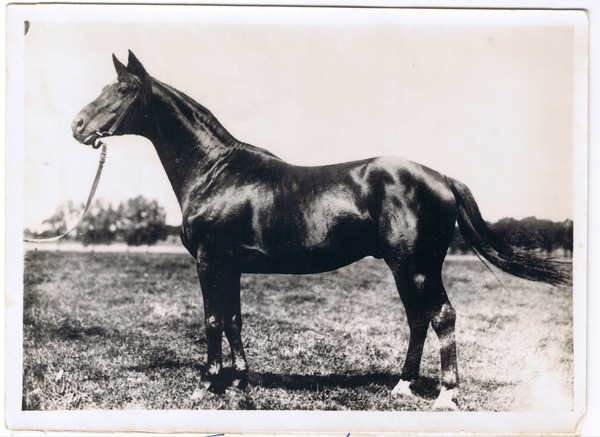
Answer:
(125, 331)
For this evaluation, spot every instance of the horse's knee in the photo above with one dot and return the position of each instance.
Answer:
(214, 324)
(214, 328)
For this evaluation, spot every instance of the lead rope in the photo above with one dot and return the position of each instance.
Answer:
(87, 206)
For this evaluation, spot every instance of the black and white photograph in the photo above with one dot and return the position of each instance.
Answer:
(259, 219)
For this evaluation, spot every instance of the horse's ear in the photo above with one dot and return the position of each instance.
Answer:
(135, 67)
(121, 69)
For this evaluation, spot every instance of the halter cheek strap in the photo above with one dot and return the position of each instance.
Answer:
(119, 119)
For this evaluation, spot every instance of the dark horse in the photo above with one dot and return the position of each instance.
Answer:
(247, 211)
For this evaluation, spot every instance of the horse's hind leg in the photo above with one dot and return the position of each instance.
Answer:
(443, 323)
(418, 321)
(425, 300)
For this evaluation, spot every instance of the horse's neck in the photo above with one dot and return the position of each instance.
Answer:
(187, 137)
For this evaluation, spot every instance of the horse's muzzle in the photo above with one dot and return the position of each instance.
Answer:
(77, 125)
(78, 128)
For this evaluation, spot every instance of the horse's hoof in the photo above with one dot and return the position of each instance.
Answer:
(198, 395)
(216, 387)
(402, 388)
(240, 382)
(446, 401)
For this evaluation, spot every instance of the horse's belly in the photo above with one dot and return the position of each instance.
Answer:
(299, 262)
(312, 252)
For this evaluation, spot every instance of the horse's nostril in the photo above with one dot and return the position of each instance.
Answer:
(79, 125)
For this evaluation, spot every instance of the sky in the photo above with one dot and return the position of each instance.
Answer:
(486, 98)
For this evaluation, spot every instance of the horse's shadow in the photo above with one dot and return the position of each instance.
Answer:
(427, 388)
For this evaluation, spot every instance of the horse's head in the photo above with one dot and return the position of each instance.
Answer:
(107, 114)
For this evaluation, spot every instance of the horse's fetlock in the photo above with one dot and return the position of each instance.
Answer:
(241, 367)
(450, 381)
(213, 370)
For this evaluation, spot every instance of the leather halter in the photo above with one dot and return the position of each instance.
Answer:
(119, 119)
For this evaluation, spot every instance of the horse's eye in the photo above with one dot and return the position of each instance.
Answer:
(123, 90)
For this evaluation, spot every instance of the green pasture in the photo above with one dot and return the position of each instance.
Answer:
(115, 331)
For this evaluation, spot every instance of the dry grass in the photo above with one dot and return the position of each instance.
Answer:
(120, 331)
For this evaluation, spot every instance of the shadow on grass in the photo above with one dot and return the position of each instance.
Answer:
(163, 359)
(427, 388)
(169, 361)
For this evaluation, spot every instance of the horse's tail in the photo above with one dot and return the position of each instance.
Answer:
(516, 261)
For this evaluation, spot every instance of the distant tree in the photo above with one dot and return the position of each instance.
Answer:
(57, 222)
(141, 221)
(99, 225)
(533, 233)
(458, 246)
(563, 236)
(64, 216)
(137, 221)
(528, 233)
(174, 230)
(28, 233)
(567, 236)
(511, 231)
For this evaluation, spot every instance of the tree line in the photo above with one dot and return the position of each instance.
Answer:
(529, 233)
(139, 221)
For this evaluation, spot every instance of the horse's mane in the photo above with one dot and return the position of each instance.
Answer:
(209, 119)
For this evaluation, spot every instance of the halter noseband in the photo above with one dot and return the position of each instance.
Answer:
(119, 119)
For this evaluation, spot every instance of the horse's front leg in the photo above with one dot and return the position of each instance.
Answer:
(233, 331)
(220, 283)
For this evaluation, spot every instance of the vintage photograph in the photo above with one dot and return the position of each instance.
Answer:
(236, 212)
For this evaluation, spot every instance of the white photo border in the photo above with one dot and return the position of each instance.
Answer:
(269, 422)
